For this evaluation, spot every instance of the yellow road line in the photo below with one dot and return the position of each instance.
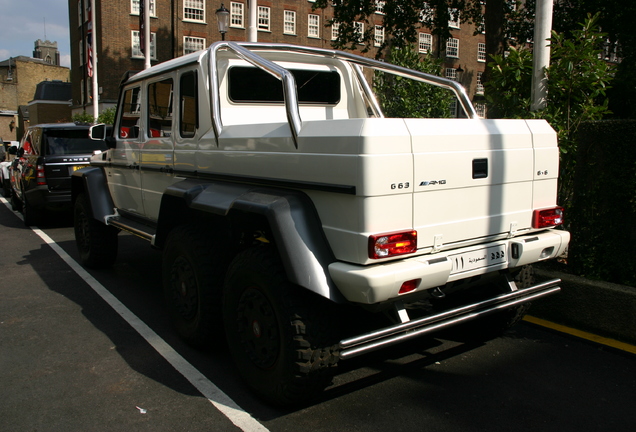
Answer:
(581, 334)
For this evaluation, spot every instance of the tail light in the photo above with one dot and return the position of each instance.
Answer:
(392, 244)
(547, 218)
(40, 178)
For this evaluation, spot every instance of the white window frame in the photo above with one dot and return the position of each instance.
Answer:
(360, 30)
(237, 13)
(425, 43)
(480, 108)
(479, 86)
(454, 24)
(135, 45)
(379, 7)
(134, 8)
(451, 73)
(378, 38)
(335, 30)
(194, 11)
(264, 18)
(192, 44)
(81, 52)
(79, 12)
(481, 52)
(452, 48)
(313, 26)
(289, 22)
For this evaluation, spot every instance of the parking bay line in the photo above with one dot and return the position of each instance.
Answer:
(216, 396)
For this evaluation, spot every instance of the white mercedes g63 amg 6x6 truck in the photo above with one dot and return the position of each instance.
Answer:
(298, 221)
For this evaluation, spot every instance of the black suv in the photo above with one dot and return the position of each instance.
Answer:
(41, 173)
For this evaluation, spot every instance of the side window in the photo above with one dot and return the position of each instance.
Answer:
(129, 120)
(160, 109)
(189, 121)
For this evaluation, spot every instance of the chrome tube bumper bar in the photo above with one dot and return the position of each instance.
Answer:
(388, 336)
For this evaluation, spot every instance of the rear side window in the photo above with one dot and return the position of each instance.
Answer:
(160, 109)
(70, 142)
(189, 121)
(250, 84)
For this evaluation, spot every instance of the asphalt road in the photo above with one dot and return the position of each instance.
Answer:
(94, 352)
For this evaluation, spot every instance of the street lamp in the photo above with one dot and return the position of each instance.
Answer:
(223, 19)
(459, 72)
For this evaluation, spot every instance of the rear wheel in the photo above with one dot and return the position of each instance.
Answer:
(96, 242)
(30, 215)
(193, 270)
(282, 341)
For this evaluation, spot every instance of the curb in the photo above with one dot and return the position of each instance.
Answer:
(598, 307)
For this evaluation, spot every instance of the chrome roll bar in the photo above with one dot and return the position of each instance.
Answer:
(247, 52)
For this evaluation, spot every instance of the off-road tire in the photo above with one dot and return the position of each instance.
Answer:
(96, 242)
(194, 265)
(282, 339)
(30, 216)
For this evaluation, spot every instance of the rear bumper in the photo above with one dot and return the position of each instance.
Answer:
(382, 282)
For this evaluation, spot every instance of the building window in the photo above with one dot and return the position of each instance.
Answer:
(452, 48)
(425, 43)
(480, 86)
(359, 29)
(335, 31)
(379, 36)
(134, 8)
(194, 10)
(453, 22)
(451, 73)
(236, 14)
(379, 6)
(263, 18)
(481, 109)
(81, 52)
(136, 48)
(289, 22)
(79, 12)
(481, 52)
(313, 26)
(192, 44)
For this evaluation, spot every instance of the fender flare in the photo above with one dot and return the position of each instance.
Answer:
(92, 181)
(292, 217)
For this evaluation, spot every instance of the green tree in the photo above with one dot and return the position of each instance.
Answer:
(577, 79)
(405, 98)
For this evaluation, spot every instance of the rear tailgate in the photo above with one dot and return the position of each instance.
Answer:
(474, 179)
(58, 170)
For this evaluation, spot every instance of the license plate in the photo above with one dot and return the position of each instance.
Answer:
(478, 259)
(77, 167)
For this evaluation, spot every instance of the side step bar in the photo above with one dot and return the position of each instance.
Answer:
(388, 336)
(133, 227)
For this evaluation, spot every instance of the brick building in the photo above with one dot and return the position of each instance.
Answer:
(182, 26)
(19, 77)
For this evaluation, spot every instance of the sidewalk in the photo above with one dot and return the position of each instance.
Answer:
(597, 307)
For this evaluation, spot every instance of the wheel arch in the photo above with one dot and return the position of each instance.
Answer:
(92, 182)
(290, 217)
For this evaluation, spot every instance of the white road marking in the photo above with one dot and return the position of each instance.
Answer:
(215, 395)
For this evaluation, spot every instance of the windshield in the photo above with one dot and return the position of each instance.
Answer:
(68, 142)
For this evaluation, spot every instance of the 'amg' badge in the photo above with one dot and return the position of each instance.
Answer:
(433, 183)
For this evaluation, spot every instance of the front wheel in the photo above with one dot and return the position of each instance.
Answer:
(96, 242)
(281, 340)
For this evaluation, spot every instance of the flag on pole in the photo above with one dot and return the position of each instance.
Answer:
(89, 42)
(142, 27)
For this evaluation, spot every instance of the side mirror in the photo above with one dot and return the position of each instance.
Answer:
(97, 132)
(20, 152)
